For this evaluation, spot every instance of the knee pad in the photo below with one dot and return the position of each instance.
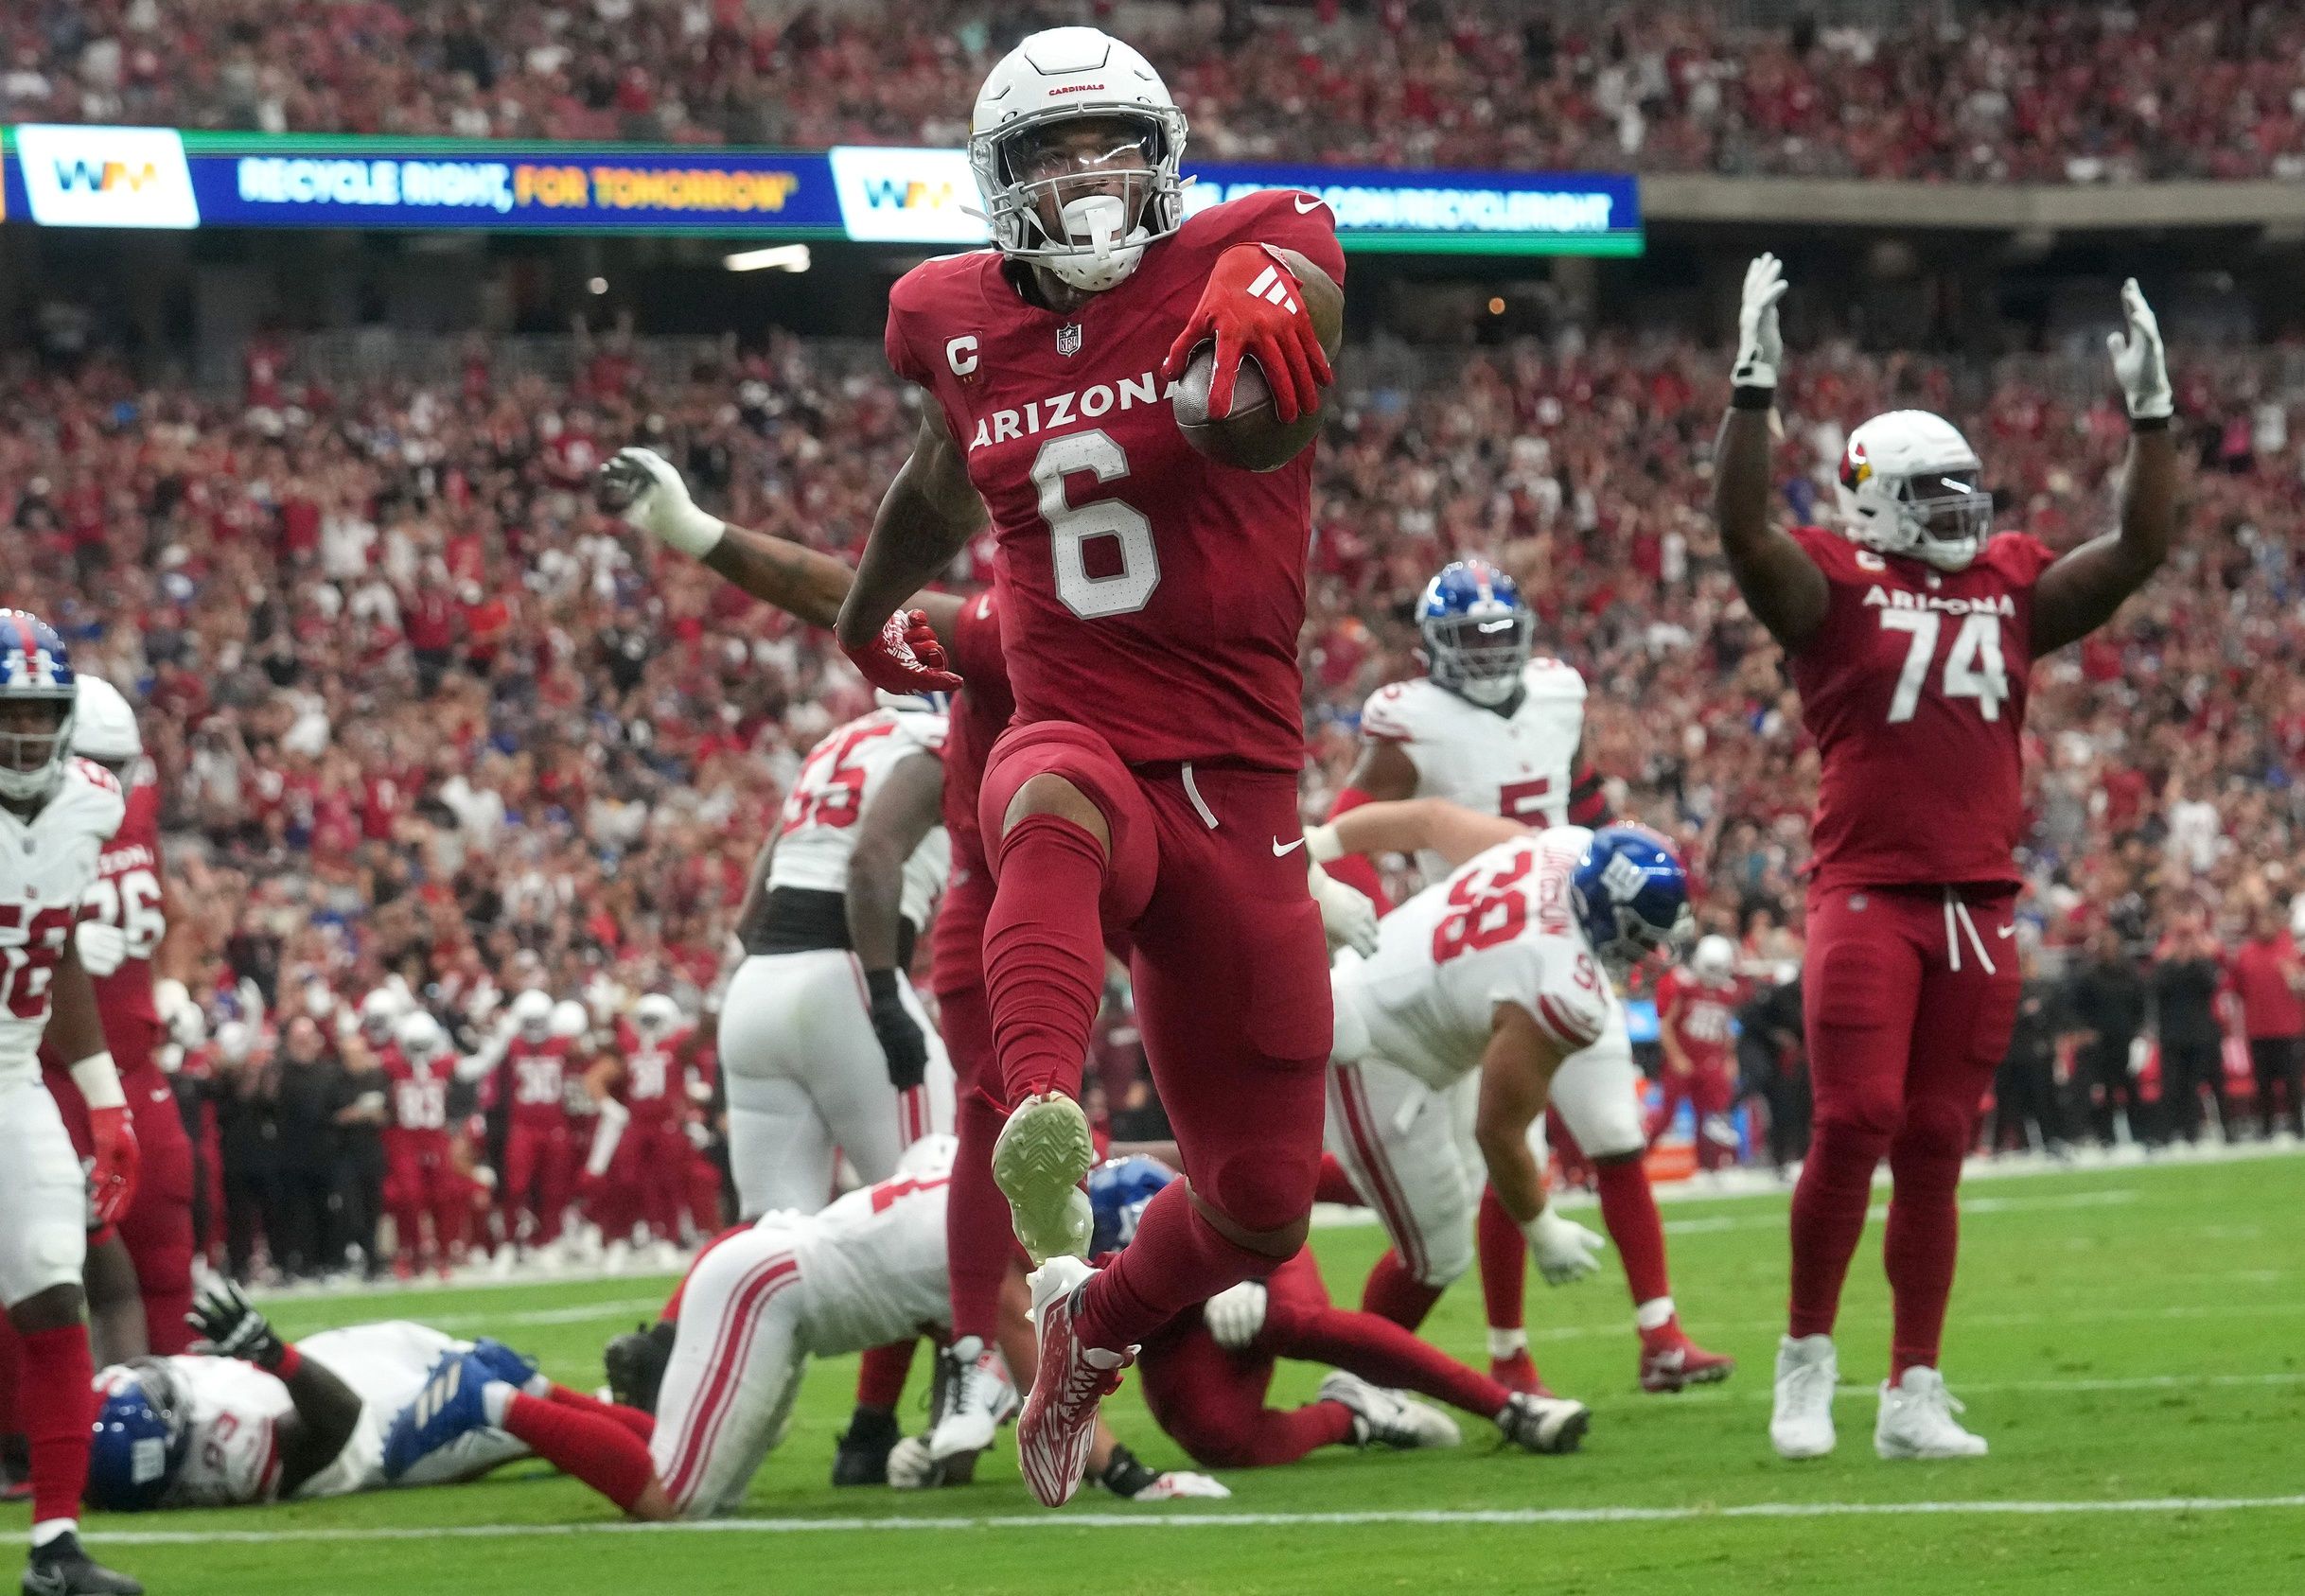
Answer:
(1265, 1196)
(1932, 1143)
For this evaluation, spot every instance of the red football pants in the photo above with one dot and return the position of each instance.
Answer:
(539, 1177)
(157, 1228)
(1908, 996)
(420, 1180)
(977, 1239)
(1709, 1089)
(647, 1179)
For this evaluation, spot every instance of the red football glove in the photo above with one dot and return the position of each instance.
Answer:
(1253, 306)
(906, 656)
(112, 1174)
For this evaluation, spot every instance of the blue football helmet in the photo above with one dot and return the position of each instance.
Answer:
(1478, 633)
(1631, 896)
(914, 703)
(36, 671)
(140, 1437)
(1118, 1189)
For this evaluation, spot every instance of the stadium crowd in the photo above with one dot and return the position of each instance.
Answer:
(422, 713)
(1968, 91)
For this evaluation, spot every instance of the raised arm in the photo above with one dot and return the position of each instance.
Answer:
(326, 1409)
(1449, 829)
(2081, 591)
(1782, 585)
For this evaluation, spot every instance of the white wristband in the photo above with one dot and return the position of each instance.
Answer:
(98, 1082)
(693, 532)
(1322, 843)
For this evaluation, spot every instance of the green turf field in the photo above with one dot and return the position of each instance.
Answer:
(2126, 1336)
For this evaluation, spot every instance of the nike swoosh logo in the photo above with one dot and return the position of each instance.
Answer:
(1281, 850)
(2004, 930)
(1307, 202)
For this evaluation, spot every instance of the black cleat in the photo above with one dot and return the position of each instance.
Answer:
(62, 1568)
(863, 1457)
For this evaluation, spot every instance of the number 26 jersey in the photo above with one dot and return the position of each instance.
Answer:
(1499, 929)
(1915, 691)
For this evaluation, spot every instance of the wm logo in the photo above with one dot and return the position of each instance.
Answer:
(888, 193)
(104, 177)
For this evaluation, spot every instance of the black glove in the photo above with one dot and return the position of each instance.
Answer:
(233, 1328)
(901, 1040)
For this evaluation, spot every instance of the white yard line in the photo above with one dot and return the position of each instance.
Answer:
(1155, 1519)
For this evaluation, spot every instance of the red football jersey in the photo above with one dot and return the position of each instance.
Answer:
(652, 1086)
(419, 1095)
(127, 894)
(1915, 691)
(1144, 590)
(535, 1075)
(1699, 1016)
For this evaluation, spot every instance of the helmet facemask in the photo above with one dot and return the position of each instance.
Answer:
(1082, 192)
(35, 741)
(1936, 514)
(1480, 656)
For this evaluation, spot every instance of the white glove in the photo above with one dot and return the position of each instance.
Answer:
(1760, 346)
(102, 948)
(1178, 1484)
(1236, 1314)
(1347, 915)
(1564, 1250)
(911, 1467)
(2140, 362)
(660, 505)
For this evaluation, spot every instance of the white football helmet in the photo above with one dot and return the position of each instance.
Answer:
(568, 1019)
(1108, 201)
(381, 1011)
(655, 1016)
(420, 1037)
(1909, 485)
(103, 726)
(1715, 959)
(914, 703)
(531, 1013)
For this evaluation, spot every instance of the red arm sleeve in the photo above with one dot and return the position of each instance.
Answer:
(1587, 799)
(1357, 870)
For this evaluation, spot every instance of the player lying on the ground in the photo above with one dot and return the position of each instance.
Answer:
(863, 1273)
(1482, 987)
(254, 1419)
(1207, 1372)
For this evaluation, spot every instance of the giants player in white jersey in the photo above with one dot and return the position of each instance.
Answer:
(56, 814)
(1497, 731)
(825, 1049)
(1483, 986)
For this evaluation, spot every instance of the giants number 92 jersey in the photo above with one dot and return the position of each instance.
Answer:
(817, 830)
(1915, 691)
(47, 866)
(1520, 766)
(1146, 591)
(1499, 929)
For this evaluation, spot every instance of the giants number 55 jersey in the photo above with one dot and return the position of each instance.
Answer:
(47, 865)
(817, 830)
(1499, 929)
(1520, 766)
(1915, 691)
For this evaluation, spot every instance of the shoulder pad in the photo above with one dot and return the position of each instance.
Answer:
(1552, 678)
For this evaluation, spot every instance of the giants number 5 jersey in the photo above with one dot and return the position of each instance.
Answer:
(816, 832)
(47, 865)
(1520, 766)
(1915, 691)
(1499, 929)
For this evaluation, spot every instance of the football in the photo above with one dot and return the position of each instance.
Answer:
(1251, 437)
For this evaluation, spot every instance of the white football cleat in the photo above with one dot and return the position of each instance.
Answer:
(1059, 1425)
(1801, 1424)
(1544, 1423)
(1916, 1420)
(1386, 1418)
(1042, 1154)
(977, 1397)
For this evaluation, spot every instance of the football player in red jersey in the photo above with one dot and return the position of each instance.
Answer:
(1911, 633)
(647, 1171)
(532, 1082)
(421, 1179)
(1695, 1010)
(1151, 601)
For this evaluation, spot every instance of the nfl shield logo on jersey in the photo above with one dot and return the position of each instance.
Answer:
(1068, 339)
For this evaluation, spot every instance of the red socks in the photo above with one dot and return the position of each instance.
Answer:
(1276, 1437)
(56, 1402)
(1044, 955)
(1393, 1293)
(1629, 1209)
(1924, 1234)
(598, 1450)
(1379, 1351)
(1505, 1264)
(880, 1373)
(978, 1238)
(1176, 1261)
(641, 1425)
(1829, 1203)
